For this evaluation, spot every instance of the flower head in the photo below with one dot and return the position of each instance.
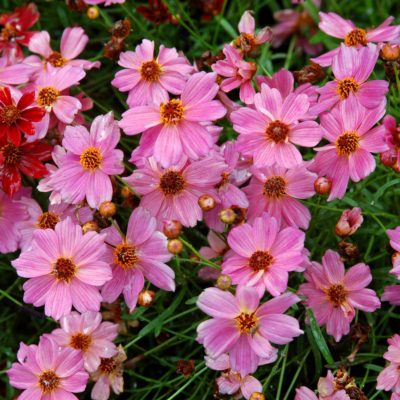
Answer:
(349, 222)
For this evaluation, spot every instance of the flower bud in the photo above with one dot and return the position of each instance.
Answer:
(172, 229)
(107, 209)
(90, 226)
(146, 298)
(126, 192)
(388, 158)
(92, 12)
(257, 396)
(175, 246)
(227, 216)
(349, 222)
(390, 52)
(224, 282)
(323, 185)
(206, 202)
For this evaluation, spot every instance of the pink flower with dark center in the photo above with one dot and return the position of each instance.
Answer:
(349, 129)
(334, 294)
(389, 377)
(349, 222)
(65, 269)
(351, 69)
(237, 73)
(270, 132)
(148, 78)
(263, 255)
(176, 126)
(86, 333)
(277, 190)
(338, 27)
(141, 253)
(45, 371)
(173, 193)
(240, 326)
(90, 160)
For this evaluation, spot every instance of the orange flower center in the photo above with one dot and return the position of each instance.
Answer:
(172, 183)
(9, 115)
(47, 96)
(91, 158)
(48, 381)
(80, 341)
(260, 260)
(345, 86)
(56, 59)
(11, 154)
(171, 112)
(246, 322)
(275, 187)
(107, 366)
(47, 220)
(8, 32)
(64, 269)
(277, 131)
(347, 143)
(355, 37)
(125, 256)
(224, 180)
(150, 71)
(336, 294)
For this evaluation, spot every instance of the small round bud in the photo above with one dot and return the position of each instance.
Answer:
(172, 229)
(90, 226)
(390, 52)
(224, 282)
(175, 246)
(206, 202)
(257, 396)
(93, 12)
(322, 185)
(126, 192)
(227, 216)
(388, 158)
(146, 298)
(107, 209)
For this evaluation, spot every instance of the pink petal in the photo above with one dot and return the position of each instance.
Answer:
(218, 303)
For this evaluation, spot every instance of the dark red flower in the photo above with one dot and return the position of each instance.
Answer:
(207, 8)
(26, 158)
(15, 29)
(17, 118)
(156, 12)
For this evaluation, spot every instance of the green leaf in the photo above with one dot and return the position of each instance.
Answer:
(315, 350)
(192, 300)
(228, 28)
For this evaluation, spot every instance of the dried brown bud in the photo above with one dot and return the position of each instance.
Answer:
(93, 12)
(90, 226)
(348, 250)
(257, 396)
(390, 52)
(323, 185)
(206, 202)
(312, 73)
(146, 298)
(185, 367)
(107, 209)
(224, 282)
(172, 229)
(175, 246)
(77, 5)
(121, 29)
(113, 48)
(227, 216)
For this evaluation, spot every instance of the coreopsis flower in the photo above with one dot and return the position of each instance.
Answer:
(277, 190)
(176, 127)
(351, 69)
(18, 114)
(156, 11)
(46, 371)
(334, 294)
(263, 254)
(73, 42)
(270, 132)
(237, 73)
(109, 376)
(172, 193)
(88, 334)
(65, 269)
(349, 222)
(13, 212)
(349, 129)
(141, 253)
(148, 78)
(240, 325)
(389, 377)
(338, 27)
(15, 31)
(26, 158)
(107, 3)
(90, 160)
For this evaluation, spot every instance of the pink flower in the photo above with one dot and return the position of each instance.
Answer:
(172, 194)
(270, 132)
(392, 138)
(90, 160)
(141, 253)
(392, 294)
(248, 37)
(263, 255)
(86, 333)
(45, 371)
(149, 79)
(238, 73)
(107, 3)
(12, 213)
(334, 25)
(14, 74)
(276, 191)
(65, 269)
(389, 377)
(334, 294)
(244, 329)
(349, 222)
(394, 236)
(73, 42)
(349, 129)
(176, 126)
(351, 69)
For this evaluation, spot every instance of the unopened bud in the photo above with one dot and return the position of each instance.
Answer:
(224, 282)
(107, 209)
(388, 158)
(257, 396)
(390, 52)
(323, 185)
(349, 222)
(90, 226)
(92, 12)
(227, 216)
(146, 298)
(175, 246)
(126, 192)
(206, 202)
(172, 229)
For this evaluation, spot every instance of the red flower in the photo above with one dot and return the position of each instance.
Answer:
(15, 30)
(26, 158)
(18, 117)
(156, 12)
